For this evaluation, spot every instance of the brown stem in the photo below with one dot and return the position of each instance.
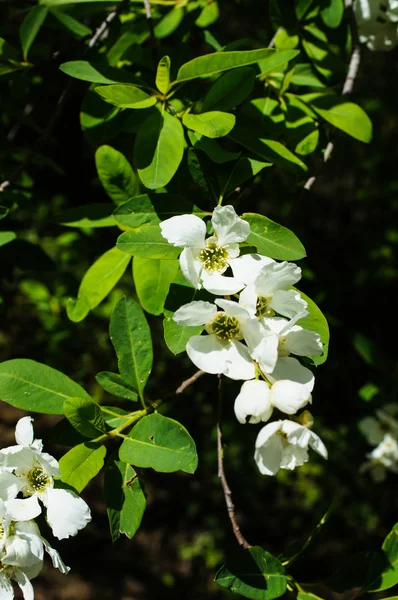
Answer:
(181, 388)
(221, 474)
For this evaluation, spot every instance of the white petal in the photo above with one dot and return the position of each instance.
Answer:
(207, 353)
(275, 324)
(233, 309)
(253, 401)
(9, 485)
(195, 313)
(277, 276)
(24, 583)
(269, 448)
(248, 299)
(228, 226)
(293, 456)
(184, 231)
(67, 513)
(266, 354)
(190, 268)
(290, 368)
(247, 267)
(287, 303)
(23, 509)
(57, 561)
(298, 435)
(289, 396)
(317, 445)
(233, 250)
(219, 285)
(49, 463)
(15, 457)
(24, 431)
(19, 552)
(29, 531)
(239, 364)
(6, 590)
(253, 333)
(303, 342)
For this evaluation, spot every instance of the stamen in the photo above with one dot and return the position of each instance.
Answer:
(282, 350)
(214, 258)
(262, 307)
(2, 530)
(225, 327)
(37, 481)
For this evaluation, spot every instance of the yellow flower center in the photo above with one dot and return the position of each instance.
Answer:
(282, 350)
(214, 258)
(37, 481)
(225, 327)
(263, 308)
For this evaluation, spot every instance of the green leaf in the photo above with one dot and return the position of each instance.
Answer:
(176, 336)
(6, 237)
(332, 14)
(212, 148)
(159, 443)
(125, 96)
(147, 242)
(131, 338)
(272, 239)
(79, 30)
(389, 577)
(317, 322)
(31, 27)
(29, 385)
(244, 169)
(96, 284)
(307, 596)
(212, 124)
(169, 23)
(116, 174)
(85, 416)
(347, 116)
(152, 278)
(304, 74)
(151, 209)
(255, 574)
(81, 464)
(114, 421)
(96, 72)
(115, 385)
(205, 66)
(88, 215)
(125, 499)
(229, 90)
(158, 149)
(204, 174)
(163, 75)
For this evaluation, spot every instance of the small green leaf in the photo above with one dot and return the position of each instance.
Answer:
(230, 90)
(85, 416)
(147, 242)
(255, 574)
(158, 149)
(169, 23)
(213, 124)
(29, 385)
(212, 148)
(114, 384)
(88, 215)
(152, 278)
(176, 336)
(317, 322)
(159, 443)
(118, 418)
(81, 464)
(116, 174)
(333, 13)
(125, 96)
(79, 30)
(389, 577)
(272, 239)
(96, 72)
(131, 338)
(6, 237)
(31, 27)
(163, 75)
(305, 75)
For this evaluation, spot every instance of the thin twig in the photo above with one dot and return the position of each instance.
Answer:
(348, 86)
(148, 15)
(181, 388)
(221, 474)
(61, 101)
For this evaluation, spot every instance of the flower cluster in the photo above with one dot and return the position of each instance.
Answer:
(381, 431)
(255, 337)
(26, 484)
(377, 22)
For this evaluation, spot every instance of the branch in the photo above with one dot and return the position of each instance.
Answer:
(348, 86)
(221, 474)
(148, 15)
(181, 388)
(61, 101)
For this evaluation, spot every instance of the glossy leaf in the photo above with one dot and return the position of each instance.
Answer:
(213, 124)
(317, 322)
(305, 75)
(6, 237)
(204, 174)
(29, 385)
(332, 14)
(152, 280)
(131, 338)
(176, 336)
(163, 75)
(389, 577)
(89, 215)
(115, 385)
(230, 90)
(116, 419)
(272, 239)
(244, 169)
(85, 416)
(158, 149)
(96, 72)
(116, 174)
(31, 27)
(125, 96)
(147, 242)
(211, 148)
(81, 464)
(79, 30)
(159, 443)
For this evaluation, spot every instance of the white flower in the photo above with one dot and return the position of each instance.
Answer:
(267, 284)
(67, 513)
(383, 458)
(374, 429)
(221, 351)
(376, 23)
(284, 445)
(257, 399)
(22, 575)
(203, 261)
(283, 338)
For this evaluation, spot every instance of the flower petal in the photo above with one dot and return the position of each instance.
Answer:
(207, 353)
(287, 303)
(24, 584)
(293, 456)
(317, 445)
(253, 401)
(23, 509)
(289, 396)
(195, 313)
(228, 226)
(233, 309)
(247, 267)
(67, 513)
(248, 299)
(15, 457)
(10, 485)
(277, 276)
(219, 285)
(266, 353)
(291, 369)
(303, 342)
(190, 268)
(57, 561)
(29, 531)
(239, 364)
(269, 448)
(297, 434)
(24, 431)
(184, 231)
(6, 590)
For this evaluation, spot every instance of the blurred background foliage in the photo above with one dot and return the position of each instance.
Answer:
(348, 224)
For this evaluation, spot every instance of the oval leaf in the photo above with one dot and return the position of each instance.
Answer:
(96, 72)
(125, 96)
(212, 124)
(163, 75)
(272, 239)
(31, 27)
(81, 464)
(85, 416)
(116, 174)
(147, 242)
(115, 385)
(229, 90)
(317, 322)
(152, 278)
(176, 336)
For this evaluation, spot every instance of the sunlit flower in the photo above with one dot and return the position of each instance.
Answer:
(382, 458)
(67, 513)
(374, 429)
(203, 261)
(284, 445)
